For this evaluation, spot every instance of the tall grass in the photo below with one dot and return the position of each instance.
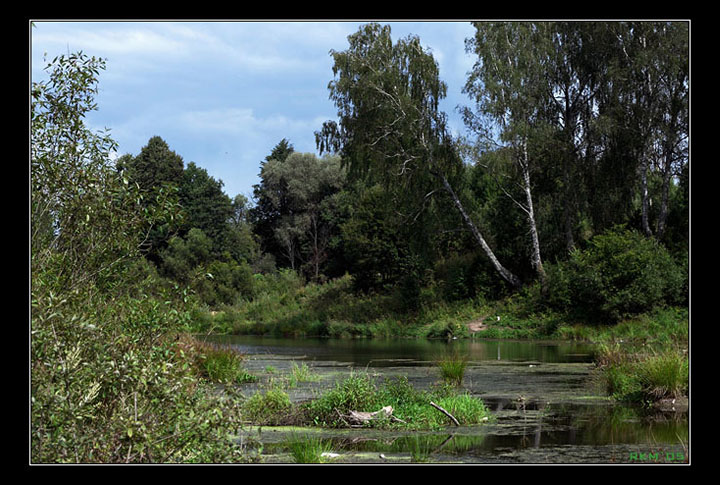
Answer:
(452, 367)
(221, 364)
(664, 375)
(632, 376)
(309, 449)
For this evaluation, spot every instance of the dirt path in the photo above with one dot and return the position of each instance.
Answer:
(477, 325)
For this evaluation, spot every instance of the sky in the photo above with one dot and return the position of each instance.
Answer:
(223, 94)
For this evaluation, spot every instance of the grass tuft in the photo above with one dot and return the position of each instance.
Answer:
(309, 449)
(452, 368)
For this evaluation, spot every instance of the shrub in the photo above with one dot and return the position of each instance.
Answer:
(269, 407)
(621, 273)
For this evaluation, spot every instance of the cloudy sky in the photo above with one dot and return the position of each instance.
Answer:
(223, 94)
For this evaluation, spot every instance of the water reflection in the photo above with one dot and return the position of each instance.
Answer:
(538, 392)
(393, 352)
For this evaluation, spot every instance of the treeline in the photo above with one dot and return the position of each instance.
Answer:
(576, 129)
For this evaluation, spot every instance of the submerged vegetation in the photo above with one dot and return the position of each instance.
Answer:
(398, 230)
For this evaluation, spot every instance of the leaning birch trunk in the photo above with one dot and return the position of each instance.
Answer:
(504, 272)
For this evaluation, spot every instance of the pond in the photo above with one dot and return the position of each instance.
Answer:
(544, 396)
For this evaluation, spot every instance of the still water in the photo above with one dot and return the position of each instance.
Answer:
(545, 398)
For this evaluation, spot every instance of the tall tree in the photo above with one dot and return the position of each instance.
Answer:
(509, 85)
(85, 218)
(303, 186)
(267, 211)
(154, 166)
(206, 206)
(390, 128)
(158, 173)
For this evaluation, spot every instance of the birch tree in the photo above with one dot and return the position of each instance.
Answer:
(390, 129)
(510, 86)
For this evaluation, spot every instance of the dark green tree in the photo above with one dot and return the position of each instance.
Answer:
(158, 173)
(301, 191)
(390, 128)
(154, 166)
(265, 214)
(206, 206)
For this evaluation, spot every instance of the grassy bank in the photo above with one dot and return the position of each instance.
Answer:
(640, 358)
(284, 306)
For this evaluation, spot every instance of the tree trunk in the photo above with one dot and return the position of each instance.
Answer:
(504, 272)
(670, 140)
(536, 259)
(645, 197)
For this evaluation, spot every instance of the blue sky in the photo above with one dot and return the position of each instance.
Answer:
(223, 94)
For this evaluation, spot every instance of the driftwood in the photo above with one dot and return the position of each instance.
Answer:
(445, 413)
(356, 419)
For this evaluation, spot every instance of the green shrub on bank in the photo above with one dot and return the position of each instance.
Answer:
(621, 273)
(110, 382)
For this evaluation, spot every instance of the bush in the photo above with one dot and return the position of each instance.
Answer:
(621, 273)
(269, 407)
(110, 383)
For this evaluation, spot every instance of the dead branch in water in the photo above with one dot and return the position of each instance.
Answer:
(445, 413)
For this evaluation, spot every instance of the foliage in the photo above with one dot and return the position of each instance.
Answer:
(206, 206)
(620, 273)
(109, 382)
(371, 239)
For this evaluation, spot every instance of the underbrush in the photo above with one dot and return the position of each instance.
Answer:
(113, 382)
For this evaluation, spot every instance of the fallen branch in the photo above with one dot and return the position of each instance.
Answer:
(356, 419)
(445, 413)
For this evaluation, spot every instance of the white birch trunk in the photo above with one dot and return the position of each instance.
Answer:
(536, 259)
(504, 272)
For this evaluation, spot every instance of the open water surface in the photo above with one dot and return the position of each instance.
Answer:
(544, 396)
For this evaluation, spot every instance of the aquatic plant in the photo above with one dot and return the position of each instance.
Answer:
(309, 449)
(664, 375)
(222, 364)
(452, 367)
(269, 407)
(301, 373)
